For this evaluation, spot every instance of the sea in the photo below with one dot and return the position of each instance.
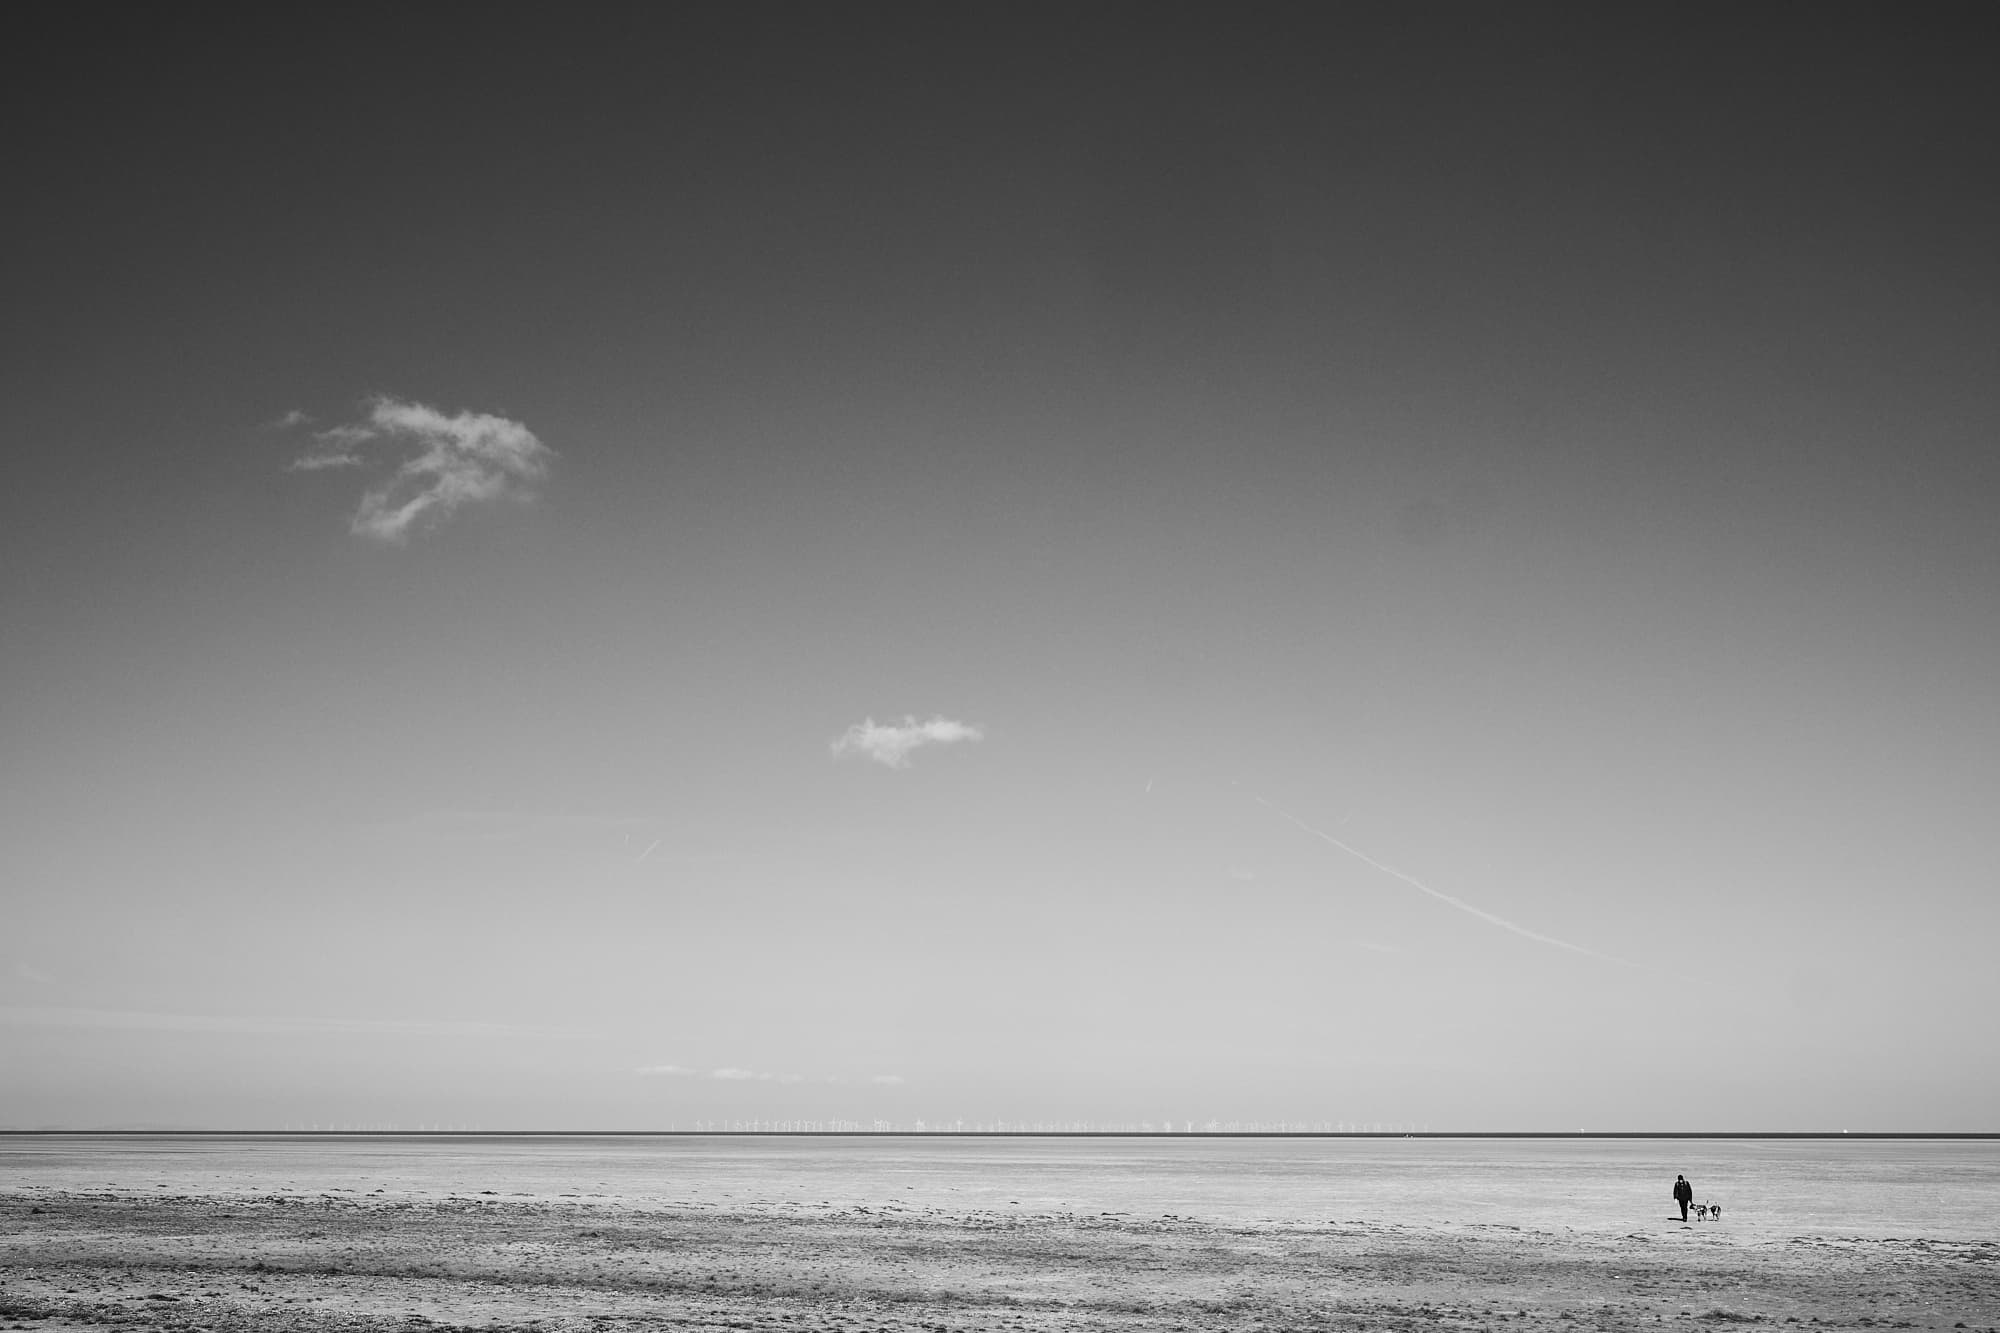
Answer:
(1945, 1189)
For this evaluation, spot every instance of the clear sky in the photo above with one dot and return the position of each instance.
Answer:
(1438, 567)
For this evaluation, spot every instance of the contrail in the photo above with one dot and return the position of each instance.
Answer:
(650, 849)
(1438, 894)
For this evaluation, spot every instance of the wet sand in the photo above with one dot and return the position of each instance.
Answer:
(344, 1260)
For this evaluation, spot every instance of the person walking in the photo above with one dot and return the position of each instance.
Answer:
(1683, 1195)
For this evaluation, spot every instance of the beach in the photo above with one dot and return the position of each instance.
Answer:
(245, 1251)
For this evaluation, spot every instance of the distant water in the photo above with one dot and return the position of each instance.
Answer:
(1947, 1189)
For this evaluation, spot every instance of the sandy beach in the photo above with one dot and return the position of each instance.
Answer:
(347, 1260)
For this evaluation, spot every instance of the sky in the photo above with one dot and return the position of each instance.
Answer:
(1428, 566)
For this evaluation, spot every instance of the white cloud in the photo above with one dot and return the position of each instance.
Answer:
(446, 462)
(728, 1074)
(320, 462)
(886, 1078)
(890, 743)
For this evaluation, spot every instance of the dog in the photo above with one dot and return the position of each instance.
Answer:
(1715, 1212)
(1701, 1212)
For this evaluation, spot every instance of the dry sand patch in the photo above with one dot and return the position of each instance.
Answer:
(343, 1261)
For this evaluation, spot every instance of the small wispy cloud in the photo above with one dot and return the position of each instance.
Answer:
(292, 420)
(446, 462)
(320, 462)
(727, 1074)
(890, 743)
(887, 1078)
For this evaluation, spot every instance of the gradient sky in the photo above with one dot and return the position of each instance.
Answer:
(1450, 556)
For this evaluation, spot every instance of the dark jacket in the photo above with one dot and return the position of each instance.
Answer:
(1683, 1190)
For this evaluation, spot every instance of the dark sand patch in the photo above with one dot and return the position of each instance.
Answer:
(354, 1262)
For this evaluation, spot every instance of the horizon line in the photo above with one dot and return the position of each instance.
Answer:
(1743, 1134)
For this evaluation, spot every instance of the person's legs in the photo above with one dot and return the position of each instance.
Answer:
(1684, 1209)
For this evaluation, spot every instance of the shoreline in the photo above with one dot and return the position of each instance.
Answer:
(324, 1260)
